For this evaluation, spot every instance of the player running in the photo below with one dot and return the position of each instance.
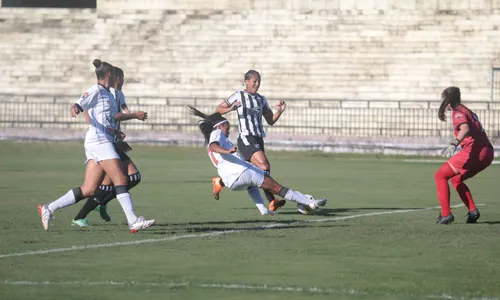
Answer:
(251, 107)
(476, 155)
(100, 151)
(106, 191)
(235, 172)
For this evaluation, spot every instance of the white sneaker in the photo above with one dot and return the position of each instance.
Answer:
(46, 215)
(317, 203)
(139, 224)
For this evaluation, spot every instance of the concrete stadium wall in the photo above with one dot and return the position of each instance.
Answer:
(324, 49)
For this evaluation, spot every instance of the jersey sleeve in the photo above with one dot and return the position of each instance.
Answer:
(121, 100)
(265, 105)
(459, 118)
(236, 96)
(215, 137)
(88, 99)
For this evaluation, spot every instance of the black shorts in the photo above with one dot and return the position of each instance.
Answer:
(250, 144)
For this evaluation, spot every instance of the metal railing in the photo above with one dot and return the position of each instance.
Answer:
(302, 117)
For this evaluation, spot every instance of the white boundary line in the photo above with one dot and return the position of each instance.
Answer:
(213, 233)
(231, 286)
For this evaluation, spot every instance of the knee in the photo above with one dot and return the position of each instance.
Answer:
(134, 180)
(456, 181)
(88, 190)
(265, 166)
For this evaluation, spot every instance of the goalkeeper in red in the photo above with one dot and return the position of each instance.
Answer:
(475, 156)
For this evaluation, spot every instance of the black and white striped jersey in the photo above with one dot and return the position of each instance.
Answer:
(250, 112)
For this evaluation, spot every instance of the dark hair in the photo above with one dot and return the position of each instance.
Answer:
(252, 73)
(119, 72)
(102, 68)
(451, 96)
(207, 124)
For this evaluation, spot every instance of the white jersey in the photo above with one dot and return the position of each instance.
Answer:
(229, 166)
(250, 112)
(120, 101)
(102, 108)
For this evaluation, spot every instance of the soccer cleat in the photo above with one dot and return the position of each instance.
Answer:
(473, 216)
(217, 187)
(275, 204)
(46, 215)
(445, 220)
(317, 203)
(139, 224)
(80, 223)
(103, 212)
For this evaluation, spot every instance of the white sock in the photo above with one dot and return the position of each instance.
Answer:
(298, 197)
(257, 198)
(65, 201)
(127, 206)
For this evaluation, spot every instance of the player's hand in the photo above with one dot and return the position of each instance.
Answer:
(123, 146)
(141, 115)
(74, 110)
(121, 135)
(235, 105)
(232, 149)
(281, 106)
(449, 151)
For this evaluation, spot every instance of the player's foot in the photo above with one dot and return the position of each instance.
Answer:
(445, 220)
(473, 216)
(317, 203)
(217, 187)
(103, 212)
(80, 223)
(139, 224)
(46, 215)
(275, 204)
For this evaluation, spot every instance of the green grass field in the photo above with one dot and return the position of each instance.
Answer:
(390, 248)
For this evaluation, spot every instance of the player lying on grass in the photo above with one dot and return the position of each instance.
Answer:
(106, 191)
(476, 155)
(237, 174)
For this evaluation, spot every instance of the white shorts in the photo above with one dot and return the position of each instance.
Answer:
(250, 177)
(101, 152)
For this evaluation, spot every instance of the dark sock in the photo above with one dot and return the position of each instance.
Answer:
(269, 196)
(222, 184)
(94, 201)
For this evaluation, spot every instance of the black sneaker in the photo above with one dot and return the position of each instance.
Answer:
(445, 220)
(473, 216)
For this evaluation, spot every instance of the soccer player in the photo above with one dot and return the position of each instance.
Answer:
(99, 150)
(106, 191)
(251, 107)
(235, 172)
(476, 155)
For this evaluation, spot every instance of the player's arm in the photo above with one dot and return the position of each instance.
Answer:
(140, 115)
(464, 131)
(216, 148)
(271, 117)
(86, 101)
(224, 107)
(230, 104)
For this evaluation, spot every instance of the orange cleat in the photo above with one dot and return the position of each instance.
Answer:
(275, 204)
(217, 187)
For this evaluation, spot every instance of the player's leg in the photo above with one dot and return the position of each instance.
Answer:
(134, 178)
(269, 184)
(252, 149)
(250, 180)
(93, 176)
(113, 168)
(444, 173)
(478, 163)
(105, 190)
